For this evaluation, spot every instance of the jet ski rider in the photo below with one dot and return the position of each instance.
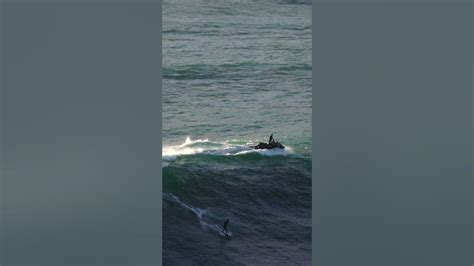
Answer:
(271, 141)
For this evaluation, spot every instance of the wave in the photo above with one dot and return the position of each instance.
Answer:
(224, 148)
(206, 71)
(209, 218)
(209, 71)
(296, 2)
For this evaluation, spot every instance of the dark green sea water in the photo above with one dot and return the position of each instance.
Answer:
(233, 73)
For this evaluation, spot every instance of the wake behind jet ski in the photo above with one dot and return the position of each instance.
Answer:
(272, 144)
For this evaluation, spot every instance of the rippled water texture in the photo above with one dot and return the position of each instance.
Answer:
(233, 73)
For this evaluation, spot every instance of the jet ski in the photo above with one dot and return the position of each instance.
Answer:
(268, 146)
(272, 144)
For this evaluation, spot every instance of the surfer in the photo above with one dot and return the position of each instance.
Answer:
(225, 226)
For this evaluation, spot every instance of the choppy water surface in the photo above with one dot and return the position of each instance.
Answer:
(234, 72)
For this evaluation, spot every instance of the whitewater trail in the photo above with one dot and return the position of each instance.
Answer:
(224, 148)
(210, 218)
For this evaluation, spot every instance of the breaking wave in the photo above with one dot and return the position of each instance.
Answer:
(224, 148)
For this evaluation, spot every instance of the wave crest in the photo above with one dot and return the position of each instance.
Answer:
(224, 148)
(244, 69)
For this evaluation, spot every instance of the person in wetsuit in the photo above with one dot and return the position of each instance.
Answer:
(271, 140)
(225, 226)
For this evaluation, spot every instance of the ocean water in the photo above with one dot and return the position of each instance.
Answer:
(233, 73)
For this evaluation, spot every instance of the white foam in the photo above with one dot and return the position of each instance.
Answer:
(225, 148)
(199, 213)
(170, 153)
(272, 152)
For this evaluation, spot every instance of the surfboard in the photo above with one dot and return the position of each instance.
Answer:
(227, 234)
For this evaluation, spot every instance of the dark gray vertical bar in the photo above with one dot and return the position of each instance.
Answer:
(392, 129)
(81, 132)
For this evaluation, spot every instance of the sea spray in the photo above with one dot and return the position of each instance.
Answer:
(233, 75)
(224, 148)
